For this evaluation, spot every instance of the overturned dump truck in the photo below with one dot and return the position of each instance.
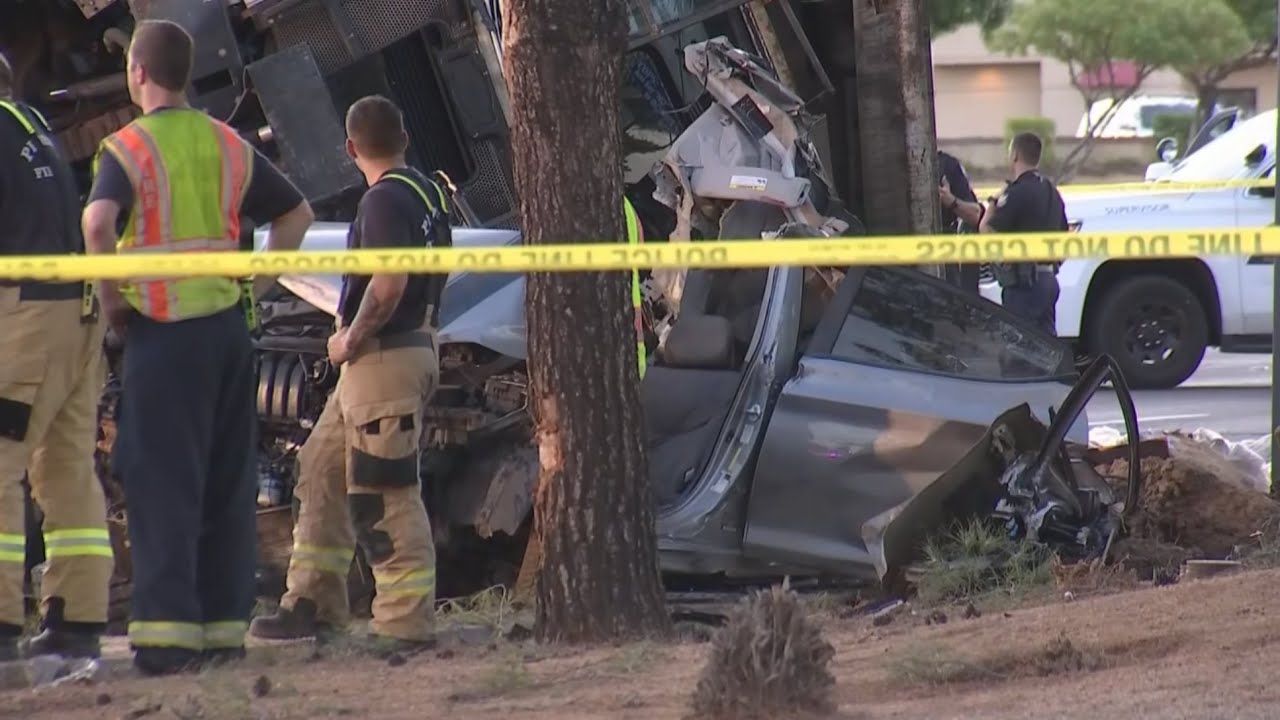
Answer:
(800, 420)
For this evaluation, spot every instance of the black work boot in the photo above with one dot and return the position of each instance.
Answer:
(292, 623)
(60, 637)
(165, 660)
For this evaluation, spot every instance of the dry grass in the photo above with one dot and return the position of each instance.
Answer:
(507, 675)
(492, 607)
(636, 657)
(769, 660)
(976, 561)
(936, 664)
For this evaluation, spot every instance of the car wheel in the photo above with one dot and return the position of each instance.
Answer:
(1154, 327)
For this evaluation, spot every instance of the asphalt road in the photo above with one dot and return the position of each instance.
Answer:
(1230, 394)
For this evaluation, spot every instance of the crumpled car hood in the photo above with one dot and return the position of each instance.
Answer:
(482, 308)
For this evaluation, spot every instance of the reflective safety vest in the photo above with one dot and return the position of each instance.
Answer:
(189, 174)
(635, 236)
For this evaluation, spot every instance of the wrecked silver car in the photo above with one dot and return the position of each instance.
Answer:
(785, 407)
(800, 420)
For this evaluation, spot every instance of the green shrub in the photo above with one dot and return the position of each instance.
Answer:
(1174, 125)
(1044, 127)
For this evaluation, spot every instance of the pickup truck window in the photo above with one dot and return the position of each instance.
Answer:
(897, 321)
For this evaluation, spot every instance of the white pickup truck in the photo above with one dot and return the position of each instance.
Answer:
(1156, 317)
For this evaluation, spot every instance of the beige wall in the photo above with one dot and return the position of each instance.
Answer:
(977, 89)
(974, 100)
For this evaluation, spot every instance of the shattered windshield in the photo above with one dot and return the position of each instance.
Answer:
(898, 321)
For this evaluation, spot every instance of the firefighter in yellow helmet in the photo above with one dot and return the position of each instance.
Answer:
(186, 449)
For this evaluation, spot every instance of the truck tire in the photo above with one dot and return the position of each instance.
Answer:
(1154, 327)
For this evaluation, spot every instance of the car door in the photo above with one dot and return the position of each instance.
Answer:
(1256, 207)
(901, 378)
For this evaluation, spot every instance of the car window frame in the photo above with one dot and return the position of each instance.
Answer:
(822, 342)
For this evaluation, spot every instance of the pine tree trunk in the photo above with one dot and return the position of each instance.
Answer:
(896, 119)
(593, 513)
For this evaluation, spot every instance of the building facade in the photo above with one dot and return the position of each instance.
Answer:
(977, 89)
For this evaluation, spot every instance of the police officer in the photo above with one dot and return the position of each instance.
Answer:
(359, 465)
(53, 374)
(952, 177)
(1030, 203)
(176, 180)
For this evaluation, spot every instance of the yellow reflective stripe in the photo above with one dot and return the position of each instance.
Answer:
(17, 115)
(414, 582)
(77, 534)
(633, 238)
(166, 634)
(13, 548)
(40, 116)
(225, 634)
(324, 559)
(78, 541)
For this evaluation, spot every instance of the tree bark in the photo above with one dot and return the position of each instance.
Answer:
(598, 578)
(896, 119)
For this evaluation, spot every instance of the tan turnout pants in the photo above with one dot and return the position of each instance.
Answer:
(51, 379)
(358, 481)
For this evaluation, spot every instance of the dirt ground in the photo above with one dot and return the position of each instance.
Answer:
(1197, 649)
(1183, 504)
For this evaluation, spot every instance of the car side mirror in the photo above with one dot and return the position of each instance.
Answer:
(1167, 149)
(1266, 191)
(1256, 155)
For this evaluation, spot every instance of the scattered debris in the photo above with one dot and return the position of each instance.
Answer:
(886, 614)
(937, 617)
(261, 686)
(396, 659)
(770, 659)
(970, 612)
(1200, 569)
(1090, 578)
(1244, 464)
(103, 699)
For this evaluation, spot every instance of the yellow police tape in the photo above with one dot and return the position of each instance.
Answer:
(1155, 186)
(887, 250)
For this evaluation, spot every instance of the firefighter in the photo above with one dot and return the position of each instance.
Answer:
(176, 180)
(52, 358)
(359, 466)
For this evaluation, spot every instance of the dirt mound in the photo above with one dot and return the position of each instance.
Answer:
(1186, 506)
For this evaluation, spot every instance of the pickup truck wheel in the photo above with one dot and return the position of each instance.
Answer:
(1154, 327)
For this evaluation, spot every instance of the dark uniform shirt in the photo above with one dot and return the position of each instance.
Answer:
(270, 194)
(392, 215)
(39, 202)
(1029, 204)
(949, 167)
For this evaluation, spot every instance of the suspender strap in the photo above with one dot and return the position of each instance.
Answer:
(432, 208)
(17, 112)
